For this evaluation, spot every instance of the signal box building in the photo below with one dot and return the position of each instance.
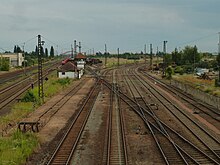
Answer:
(69, 70)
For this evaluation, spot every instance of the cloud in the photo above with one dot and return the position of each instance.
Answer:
(128, 24)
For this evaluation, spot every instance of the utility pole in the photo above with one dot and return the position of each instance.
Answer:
(164, 53)
(219, 59)
(40, 72)
(151, 56)
(105, 55)
(145, 54)
(79, 47)
(219, 43)
(118, 57)
(24, 59)
(72, 51)
(157, 56)
(75, 47)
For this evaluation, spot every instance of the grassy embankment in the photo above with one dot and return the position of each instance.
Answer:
(16, 146)
(207, 86)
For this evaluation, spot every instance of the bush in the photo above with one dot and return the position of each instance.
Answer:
(29, 97)
(64, 81)
(4, 64)
(217, 84)
(169, 72)
(179, 70)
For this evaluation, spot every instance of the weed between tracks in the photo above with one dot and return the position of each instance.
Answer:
(15, 147)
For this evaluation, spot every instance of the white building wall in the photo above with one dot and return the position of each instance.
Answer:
(68, 74)
(81, 64)
(16, 59)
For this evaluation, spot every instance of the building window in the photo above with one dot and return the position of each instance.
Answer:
(63, 73)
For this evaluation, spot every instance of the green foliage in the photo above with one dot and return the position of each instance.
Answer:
(51, 52)
(168, 59)
(187, 68)
(64, 81)
(217, 83)
(4, 64)
(189, 55)
(176, 57)
(29, 97)
(179, 70)
(169, 71)
(218, 60)
(15, 149)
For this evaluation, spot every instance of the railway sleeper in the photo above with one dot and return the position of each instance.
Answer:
(28, 126)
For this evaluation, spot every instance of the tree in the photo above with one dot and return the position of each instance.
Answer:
(169, 72)
(4, 64)
(42, 51)
(36, 50)
(46, 53)
(18, 50)
(15, 49)
(218, 63)
(177, 57)
(51, 52)
(191, 55)
(168, 59)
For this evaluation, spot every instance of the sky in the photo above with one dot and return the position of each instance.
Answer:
(124, 24)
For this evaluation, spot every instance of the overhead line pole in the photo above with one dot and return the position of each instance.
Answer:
(40, 71)
(164, 53)
(219, 57)
(24, 59)
(105, 55)
(145, 54)
(118, 57)
(151, 56)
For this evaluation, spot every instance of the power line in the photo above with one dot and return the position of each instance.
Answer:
(198, 39)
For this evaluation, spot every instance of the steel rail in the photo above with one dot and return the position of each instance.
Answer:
(135, 106)
(198, 137)
(186, 97)
(72, 147)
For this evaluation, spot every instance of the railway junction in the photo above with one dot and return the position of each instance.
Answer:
(123, 115)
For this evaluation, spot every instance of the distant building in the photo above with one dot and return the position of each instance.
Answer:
(68, 69)
(15, 59)
(80, 57)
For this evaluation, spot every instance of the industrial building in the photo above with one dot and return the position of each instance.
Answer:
(15, 59)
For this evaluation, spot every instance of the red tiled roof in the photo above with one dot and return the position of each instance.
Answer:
(80, 56)
(69, 66)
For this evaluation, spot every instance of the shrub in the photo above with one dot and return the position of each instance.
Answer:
(64, 81)
(179, 70)
(29, 97)
(169, 72)
(217, 84)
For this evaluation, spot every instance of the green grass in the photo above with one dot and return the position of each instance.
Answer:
(16, 148)
(207, 86)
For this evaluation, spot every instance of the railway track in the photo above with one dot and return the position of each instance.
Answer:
(12, 92)
(189, 153)
(198, 105)
(193, 155)
(43, 117)
(117, 152)
(63, 153)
